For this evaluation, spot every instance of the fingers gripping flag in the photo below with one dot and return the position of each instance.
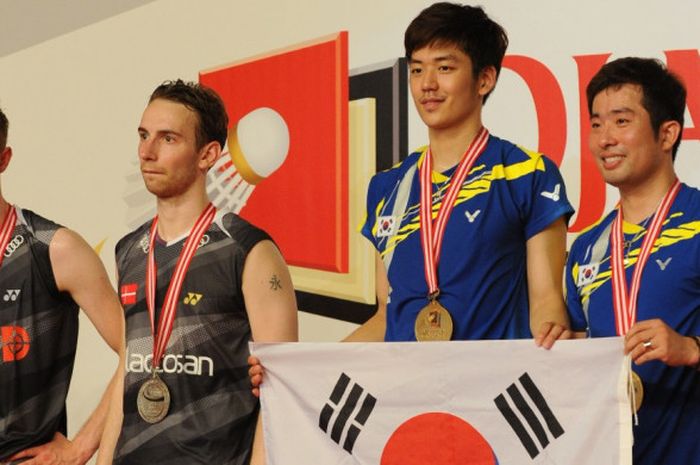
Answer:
(453, 403)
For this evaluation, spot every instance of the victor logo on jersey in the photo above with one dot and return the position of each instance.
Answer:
(14, 341)
(663, 263)
(554, 195)
(128, 293)
(13, 245)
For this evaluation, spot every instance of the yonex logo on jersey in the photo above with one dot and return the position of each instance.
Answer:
(554, 195)
(587, 273)
(386, 226)
(14, 341)
(11, 295)
(203, 241)
(471, 216)
(172, 363)
(192, 299)
(663, 264)
(13, 245)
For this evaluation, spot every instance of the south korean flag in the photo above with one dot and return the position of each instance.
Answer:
(446, 403)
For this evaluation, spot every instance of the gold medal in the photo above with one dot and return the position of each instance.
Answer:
(153, 400)
(638, 389)
(433, 323)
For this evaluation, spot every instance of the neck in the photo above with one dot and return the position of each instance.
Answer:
(448, 146)
(640, 202)
(177, 215)
(4, 207)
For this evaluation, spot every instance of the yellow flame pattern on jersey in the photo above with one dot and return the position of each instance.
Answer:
(667, 238)
(480, 180)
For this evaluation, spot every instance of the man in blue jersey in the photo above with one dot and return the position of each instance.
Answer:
(47, 272)
(471, 243)
(636, 272)
(498, 274)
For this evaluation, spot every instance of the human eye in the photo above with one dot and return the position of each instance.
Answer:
(622, 121)
(143, 135)
(595, 124)
(169, 138)
(415, 70)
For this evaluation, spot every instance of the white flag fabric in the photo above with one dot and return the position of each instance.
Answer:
(446, 403)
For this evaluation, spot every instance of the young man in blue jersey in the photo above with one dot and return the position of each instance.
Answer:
(504, 244)
(636, 272)
(47, 272)
(497, 273)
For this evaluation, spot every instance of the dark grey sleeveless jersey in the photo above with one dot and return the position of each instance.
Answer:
(38, 336)
(212, 413)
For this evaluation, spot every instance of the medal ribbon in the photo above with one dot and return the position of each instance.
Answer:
(8, 225)
(432, 231)
(167, 315)
(624, 304)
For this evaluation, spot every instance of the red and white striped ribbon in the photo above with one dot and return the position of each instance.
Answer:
(432, 231)
(169, 310)
(8, 225)
(624, 303)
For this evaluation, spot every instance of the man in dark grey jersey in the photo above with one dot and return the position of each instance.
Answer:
(197, 284)
(47, 272)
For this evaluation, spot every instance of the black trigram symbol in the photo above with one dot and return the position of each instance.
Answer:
(343, 412)
(537, 399)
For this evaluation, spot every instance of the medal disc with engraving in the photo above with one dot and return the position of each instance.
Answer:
(153, 400)
(638, 388)
(433, 323)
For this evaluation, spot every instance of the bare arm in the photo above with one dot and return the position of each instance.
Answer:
(113, 422)
(546, 254)
(79, 271)
(272, 309)
(374, 329)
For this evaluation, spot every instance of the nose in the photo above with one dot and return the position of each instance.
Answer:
(603, 136)
(146, 149)
(429, 80)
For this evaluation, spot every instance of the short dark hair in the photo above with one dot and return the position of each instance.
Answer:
(663, 93)
(204, 102)
(467, 27)
(4, 126)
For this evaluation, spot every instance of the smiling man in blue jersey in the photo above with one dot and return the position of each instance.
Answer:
(636, 273)
(469, 230)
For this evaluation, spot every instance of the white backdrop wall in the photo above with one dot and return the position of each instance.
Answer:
(74, 102)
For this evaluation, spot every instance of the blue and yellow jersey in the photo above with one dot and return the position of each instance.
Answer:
(669, 418)
(510, 195)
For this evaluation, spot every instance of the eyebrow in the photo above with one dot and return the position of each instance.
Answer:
(448, 57)
(159, 131)
(614, 111)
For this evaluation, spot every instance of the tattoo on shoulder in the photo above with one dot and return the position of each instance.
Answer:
(275, 283)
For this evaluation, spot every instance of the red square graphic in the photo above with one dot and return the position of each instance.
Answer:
(304, 203)
(128, 294)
